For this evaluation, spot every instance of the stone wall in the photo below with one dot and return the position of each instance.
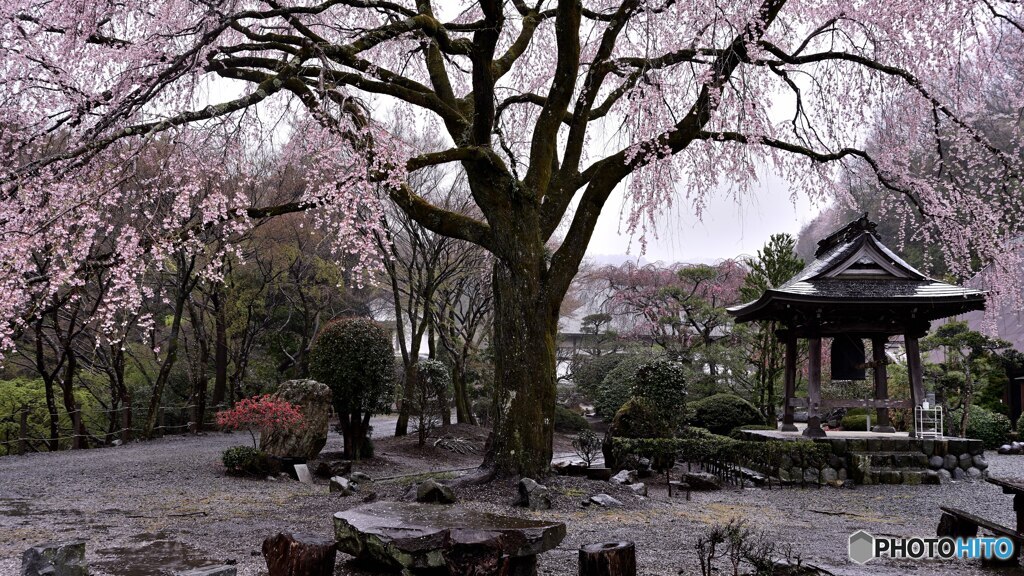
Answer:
(892, 460)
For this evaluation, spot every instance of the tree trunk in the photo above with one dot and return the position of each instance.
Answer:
(201, 384)
(53, 444)
(526, 320)
(299, 555)
(463, 408)
(408, 393)
(220, 344)
(74, 410)
(608, 559)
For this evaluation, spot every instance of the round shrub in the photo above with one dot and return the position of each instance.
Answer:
(589, 371)
(247, 461)
(855, 422)
(617, 386)
(855, 419)
(662, 384)
(992, 428)
(567, 420)
(638, 419)
(353, 356)
(1020, 423)
(721, 413)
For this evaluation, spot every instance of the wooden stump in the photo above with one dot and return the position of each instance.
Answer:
(299, 555)
(608, 559)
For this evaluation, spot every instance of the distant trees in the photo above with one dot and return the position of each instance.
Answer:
(774, 264)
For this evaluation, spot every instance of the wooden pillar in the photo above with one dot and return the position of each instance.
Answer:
(790, 384)
(914, 371)
(881, 384)
(813, 429)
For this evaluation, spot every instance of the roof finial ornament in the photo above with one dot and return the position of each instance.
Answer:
(862, 225)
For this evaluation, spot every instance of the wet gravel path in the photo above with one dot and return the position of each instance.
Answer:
(151, 508)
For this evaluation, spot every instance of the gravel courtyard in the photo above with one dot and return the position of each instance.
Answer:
(156, 507)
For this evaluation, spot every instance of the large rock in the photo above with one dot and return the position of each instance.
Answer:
(533, 495)
(329, 468)
(640, 489)
(936, 462)
(605, 501)
(433, 492)
(406, 536)
(314, 399)
(706, 481)
(342, 486)
(624, 477)
(55, 560)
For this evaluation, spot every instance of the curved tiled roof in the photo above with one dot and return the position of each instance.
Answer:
(853, 267)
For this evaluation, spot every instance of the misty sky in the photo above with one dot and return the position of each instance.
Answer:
(727, 229)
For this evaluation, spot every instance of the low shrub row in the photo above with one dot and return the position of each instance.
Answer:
(719, 451)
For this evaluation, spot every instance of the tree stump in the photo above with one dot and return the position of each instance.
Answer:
(299, 555)
(608, 559)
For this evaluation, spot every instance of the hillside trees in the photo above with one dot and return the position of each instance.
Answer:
(547, 109)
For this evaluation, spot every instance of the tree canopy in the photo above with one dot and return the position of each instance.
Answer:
(128, 125)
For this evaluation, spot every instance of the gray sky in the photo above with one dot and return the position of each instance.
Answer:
(729, 228)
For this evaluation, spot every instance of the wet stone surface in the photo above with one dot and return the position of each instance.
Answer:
(406, 535)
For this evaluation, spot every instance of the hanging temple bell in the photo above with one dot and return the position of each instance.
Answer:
(848, 359)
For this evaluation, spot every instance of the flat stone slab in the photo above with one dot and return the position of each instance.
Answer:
(414, 536)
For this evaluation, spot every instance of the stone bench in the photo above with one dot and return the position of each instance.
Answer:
(956, 523)
(413, 537)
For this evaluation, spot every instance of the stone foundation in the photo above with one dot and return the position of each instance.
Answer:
(885, 459)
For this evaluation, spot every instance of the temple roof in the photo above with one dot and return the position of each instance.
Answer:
(855, 276)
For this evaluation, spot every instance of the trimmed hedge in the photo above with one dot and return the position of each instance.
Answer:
(638, 419)
(992, 428)
(857, 422)
(567, 420)
(737, 432)
(353, 356)
(721, 413)
(721, 451)
(1020, 423)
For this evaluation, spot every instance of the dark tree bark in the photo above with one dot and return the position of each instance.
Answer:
(220, 346)
(608, 559)
(299, 555)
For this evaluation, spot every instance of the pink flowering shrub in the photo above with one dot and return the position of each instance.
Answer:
(263, 414)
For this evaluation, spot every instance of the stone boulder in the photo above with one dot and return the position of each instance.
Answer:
(533, 495)
(314, 399)
(706, 481)
(605, 501)
(639, 488)
(342, 486)
(329, 468)
(624, 477)
(55, 560)
(433, 492)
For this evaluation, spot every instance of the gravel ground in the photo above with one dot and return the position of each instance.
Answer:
(148, 509)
